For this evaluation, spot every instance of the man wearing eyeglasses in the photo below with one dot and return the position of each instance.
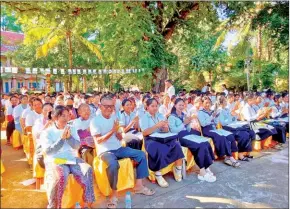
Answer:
(104, 128)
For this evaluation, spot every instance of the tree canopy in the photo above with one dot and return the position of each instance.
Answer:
(180, 40)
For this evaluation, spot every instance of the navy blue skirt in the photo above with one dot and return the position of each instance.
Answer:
(262, 133)
(161, 155)
(243, 138)
(202, 152)
(280, 127)
(224, 145)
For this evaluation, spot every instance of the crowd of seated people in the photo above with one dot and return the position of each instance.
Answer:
(70, 129)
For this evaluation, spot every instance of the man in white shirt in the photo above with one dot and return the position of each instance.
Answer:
(205, 88)
(34, 115)
(27, 111)
(104, 128)
(9, 117)
(18, 110)
(169, 88)
(224, 88)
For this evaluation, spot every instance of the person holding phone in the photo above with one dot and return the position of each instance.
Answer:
(60, 143)
(160, 155)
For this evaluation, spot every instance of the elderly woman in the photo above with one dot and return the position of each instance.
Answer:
(60, 144)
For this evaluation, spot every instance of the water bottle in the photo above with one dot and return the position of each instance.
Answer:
(183, 168)
(78, 205)
(128, 202)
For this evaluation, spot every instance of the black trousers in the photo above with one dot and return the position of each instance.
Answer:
(9, 130)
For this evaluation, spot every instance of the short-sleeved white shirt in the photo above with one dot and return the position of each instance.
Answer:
(9, 110)
(101, 126)
(31, 118)
(17, 112)
(170, 91)
(26, 112)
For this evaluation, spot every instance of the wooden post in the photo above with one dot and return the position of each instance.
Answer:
(48, 83)
(84, 84)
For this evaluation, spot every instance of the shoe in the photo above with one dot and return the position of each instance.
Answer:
(207, 177)
(177, 176)
(209, 172)
(161, 181)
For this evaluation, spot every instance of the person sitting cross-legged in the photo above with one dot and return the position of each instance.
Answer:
(104, 129)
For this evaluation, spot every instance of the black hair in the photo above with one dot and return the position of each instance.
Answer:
(169, 81)
(284, 94)
(13, 97)
(276, 98)
(125, 101)
(145, 97)
(22, 96)
(172, 97)
(173, 110)
(150, 101)
(37, 99)
(58, 111)
(204, 98)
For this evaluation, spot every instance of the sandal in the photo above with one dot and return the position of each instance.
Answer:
(113, 202)
(235, 164)
(249, 156)
(161, 181)
(245, 159)
(8, 144)
(177, 177)
(145, 191)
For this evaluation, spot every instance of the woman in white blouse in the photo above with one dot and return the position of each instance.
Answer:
(60, 144)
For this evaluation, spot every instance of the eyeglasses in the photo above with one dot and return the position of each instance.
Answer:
(108, 106)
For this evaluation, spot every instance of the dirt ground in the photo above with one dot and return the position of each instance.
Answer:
(13, 193)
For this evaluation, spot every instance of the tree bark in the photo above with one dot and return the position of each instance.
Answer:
(68, 84)
(159, 77)
(48, 83)
(85, 84)
(160, 74)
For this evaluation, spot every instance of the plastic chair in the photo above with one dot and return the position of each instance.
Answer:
(30, 149)
(16, 140)
(126, 178)
(2, 168)
(73, 193)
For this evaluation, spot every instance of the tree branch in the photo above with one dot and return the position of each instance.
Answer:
(176, 18)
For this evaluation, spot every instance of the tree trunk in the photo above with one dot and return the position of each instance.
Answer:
(259, 47)
(159, 77)
(48, 83)
(84, 84)
(160, 74)
(68, 81)
(210, 78)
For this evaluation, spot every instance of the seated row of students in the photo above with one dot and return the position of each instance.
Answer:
(103, 127)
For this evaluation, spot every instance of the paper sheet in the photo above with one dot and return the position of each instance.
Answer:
(221, 132)
(163, 135)
(28, 182)
(197, 139)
